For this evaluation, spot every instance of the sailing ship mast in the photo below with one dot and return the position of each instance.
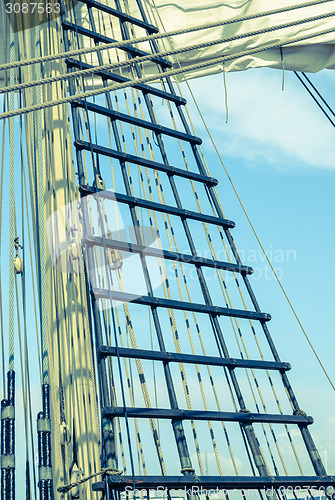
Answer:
(149, 350)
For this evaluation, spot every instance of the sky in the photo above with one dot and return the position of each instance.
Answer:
(280, 152)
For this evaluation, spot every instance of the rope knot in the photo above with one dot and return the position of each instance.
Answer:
(16, 243)
(187, 469)
(110, 471)
(299, 412)
(105, 471)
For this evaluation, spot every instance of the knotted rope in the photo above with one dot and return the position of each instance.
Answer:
(105, 471)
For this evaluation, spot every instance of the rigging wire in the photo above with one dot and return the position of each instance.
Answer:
(318, 93)
(29, 423)
(315, 99)
(12, 212)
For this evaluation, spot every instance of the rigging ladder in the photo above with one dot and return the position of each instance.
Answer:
(92, 186)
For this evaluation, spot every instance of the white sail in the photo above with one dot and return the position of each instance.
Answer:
(303, 46)
(311, 55)
(248, 26)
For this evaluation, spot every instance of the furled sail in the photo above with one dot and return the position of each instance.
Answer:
(312, 53)
(247, 34)
(244, 34)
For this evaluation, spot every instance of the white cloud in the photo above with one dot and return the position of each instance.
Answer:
(265, 123)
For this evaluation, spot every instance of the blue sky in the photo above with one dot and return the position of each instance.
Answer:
(280, 152)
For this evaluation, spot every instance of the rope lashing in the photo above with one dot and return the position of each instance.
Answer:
(299, 412)
(187, 469)
(105, 471)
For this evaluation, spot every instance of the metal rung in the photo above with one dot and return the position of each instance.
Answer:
(124, 17)
(166, 254)
(173, 357)
(221, 416)
(158, 207)
(158, 129)
(100, 293)
(214, 482)
(97, 37)
(108, 75)
(137, 160)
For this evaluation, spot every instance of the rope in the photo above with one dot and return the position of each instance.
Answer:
(225, 91)
(41, 222)
(24, 307)
(23, 380)
(151, 78)
(106, 471)
(31, 258)
(12, 215)
(157, 36)
(153, 57)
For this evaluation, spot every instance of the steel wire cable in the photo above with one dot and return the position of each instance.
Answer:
(316, 98)
(24, 312)
(318, 93)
